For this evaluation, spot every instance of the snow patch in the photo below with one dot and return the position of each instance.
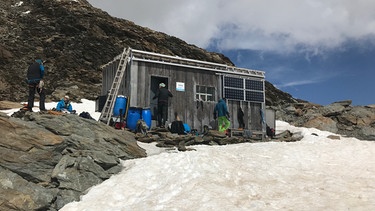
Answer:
(18, 4)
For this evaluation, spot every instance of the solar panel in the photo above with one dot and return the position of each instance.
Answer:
(233, 82)
(254, 85)
(234, 94)
(243, 89)
(254, 96)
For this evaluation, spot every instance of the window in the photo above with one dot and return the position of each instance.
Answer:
(205, 93)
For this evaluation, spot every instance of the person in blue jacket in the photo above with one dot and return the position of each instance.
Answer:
(64, 105)
(34, 79)
(221, 112)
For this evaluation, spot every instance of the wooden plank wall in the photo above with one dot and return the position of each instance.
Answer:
(252, 116)
(108, 76)
(182, 102)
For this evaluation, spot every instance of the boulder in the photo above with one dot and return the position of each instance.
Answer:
(16, 193)
(334, 137)
(4, 105)
(322, 123)
(367, 133)
(344, 103)
(334, 109)
(49, 160)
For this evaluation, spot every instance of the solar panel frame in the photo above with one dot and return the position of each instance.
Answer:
(253, 96)
(234, 82)
(234, 94)
(243, 89)
(254, 85)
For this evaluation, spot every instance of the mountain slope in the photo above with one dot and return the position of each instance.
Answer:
(74, 39)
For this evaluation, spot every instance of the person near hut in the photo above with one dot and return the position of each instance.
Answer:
(34, 80)
(65, 106)
(163, 94)
(222, 114)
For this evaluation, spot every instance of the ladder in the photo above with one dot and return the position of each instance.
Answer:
(107, 111)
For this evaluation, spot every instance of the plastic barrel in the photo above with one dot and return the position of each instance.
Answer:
(119, 104)
(134, 114)
(146, 116)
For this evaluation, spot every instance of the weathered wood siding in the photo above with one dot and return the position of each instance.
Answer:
(108, 75)
(183, 102)
(252, 114)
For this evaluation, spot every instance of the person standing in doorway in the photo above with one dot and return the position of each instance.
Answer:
(221, 112)
(163, 95)
(35, 74)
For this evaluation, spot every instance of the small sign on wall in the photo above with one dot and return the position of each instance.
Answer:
(180, 86)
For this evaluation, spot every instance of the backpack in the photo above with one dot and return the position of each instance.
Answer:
(85, 115)
(177, 127)
(270, 131)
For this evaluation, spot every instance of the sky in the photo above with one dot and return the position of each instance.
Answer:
(316, 50)
(316, 173)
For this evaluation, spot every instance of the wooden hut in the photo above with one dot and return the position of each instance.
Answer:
(196, 87)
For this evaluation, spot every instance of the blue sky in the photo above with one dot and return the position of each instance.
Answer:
(316, 50)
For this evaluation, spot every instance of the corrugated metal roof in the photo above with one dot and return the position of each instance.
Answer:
(138, 55)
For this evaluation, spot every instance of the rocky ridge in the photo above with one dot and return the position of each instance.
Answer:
(75, 39)
(338, 117)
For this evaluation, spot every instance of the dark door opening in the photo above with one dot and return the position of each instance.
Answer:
(155, 81)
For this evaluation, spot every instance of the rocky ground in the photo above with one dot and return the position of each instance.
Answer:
(50, 160)
(338, 117)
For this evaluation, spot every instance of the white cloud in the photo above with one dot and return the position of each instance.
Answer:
(285, 77)
(257, 25)
(297, 83)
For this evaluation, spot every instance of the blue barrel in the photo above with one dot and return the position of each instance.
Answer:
(134, 114)
(119, 104)
(146, 116)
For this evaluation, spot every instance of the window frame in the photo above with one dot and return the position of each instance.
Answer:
(208, 94)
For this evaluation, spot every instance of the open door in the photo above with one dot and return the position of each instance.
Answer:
(155, 81)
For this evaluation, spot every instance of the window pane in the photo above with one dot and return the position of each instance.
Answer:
(210, 90)
(203, 89)
(210, 98)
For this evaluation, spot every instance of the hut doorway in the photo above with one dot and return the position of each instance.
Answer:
(155, 81)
